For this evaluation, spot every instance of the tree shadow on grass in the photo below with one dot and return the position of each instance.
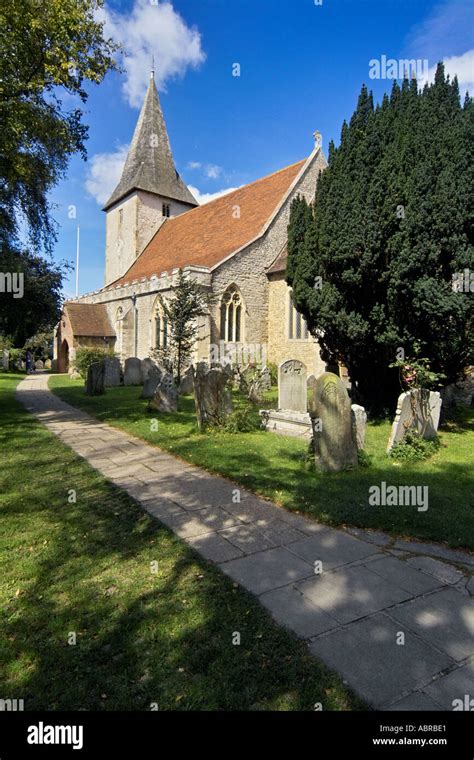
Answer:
(84, 568)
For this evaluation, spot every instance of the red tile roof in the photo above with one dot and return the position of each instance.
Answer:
(89, 320)
(208, 234)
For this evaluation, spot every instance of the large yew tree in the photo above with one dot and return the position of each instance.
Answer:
(372, 261)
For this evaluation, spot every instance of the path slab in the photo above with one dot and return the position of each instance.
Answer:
(351, 593)
(333, 548)
(290, 608)
(442, 571)
(452, 689)
(408, 578)
(444, 618)
(214, 547)
(267, 570)
(367, 655)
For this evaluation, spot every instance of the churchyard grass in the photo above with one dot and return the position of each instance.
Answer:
(277, 466)
(84, 568)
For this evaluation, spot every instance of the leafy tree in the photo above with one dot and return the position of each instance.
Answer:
(33, 305)
(391, 225)
(46, 49)
(188, 302)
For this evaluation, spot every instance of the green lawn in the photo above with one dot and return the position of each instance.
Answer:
(142, 638)
(276, 466)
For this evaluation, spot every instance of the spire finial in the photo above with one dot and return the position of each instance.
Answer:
(152, 72)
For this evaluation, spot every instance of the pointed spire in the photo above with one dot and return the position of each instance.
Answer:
(149, 165)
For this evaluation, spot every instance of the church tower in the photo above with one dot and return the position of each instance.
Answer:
(150, 191)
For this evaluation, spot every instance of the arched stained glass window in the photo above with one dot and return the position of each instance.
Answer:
(231, 316)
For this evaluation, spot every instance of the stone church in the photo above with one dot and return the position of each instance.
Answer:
(235, 246)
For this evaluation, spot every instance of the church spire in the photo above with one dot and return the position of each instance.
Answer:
(149, 165)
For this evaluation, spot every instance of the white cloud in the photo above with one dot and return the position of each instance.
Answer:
(194, 165)
(203, 198)
(152, 29)
(104, 172)
(460, 65)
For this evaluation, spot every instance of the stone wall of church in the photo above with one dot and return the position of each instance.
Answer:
(280, 347)
(247, 269)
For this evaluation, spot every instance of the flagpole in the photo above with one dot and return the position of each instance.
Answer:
(77, 262)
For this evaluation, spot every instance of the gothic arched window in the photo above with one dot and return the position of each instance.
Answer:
(161, 327)
(231, 315)
(297, 327)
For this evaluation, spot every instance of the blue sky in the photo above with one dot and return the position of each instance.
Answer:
(301, 68)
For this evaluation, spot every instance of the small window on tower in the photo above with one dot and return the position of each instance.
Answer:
(166, 209)
(120, 216)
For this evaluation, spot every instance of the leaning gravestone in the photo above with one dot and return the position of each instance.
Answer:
(418, 410)
(112, 372)
(359, 423)
(292, 394)
(95, 379)
(211, 394)
(151, 383)
(133, 372)
(186, 385)
(335, 446)
(165, 398)
(261, 383)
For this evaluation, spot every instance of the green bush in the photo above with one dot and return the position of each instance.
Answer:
(241, 421)
(414, 448)
(273, 372)
(86, 356)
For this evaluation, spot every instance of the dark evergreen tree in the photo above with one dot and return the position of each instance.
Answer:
(390, 227)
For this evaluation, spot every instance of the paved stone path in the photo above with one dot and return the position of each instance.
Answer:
(371, 590)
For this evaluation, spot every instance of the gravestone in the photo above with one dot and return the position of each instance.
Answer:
(165, 398)
(186, 385)
(359, 423)
(112, 372)
(292, 393)
(95, 379)
(39, 364)
(5, 360)
(147, 366)
(310, 389)
(133, 372)
(211, 394)
(261, 383)
(151, 383)
(418, 410)
(335, 447)
(47, 364)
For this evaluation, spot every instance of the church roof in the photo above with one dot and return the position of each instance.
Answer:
(89, 320)
(208, 234)
(149, 165)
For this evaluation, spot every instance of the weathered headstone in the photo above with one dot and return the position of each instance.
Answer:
(418, 410)
(211, 394)
(310, 389)
(39, 364)
(151, 383)
(147, 366)
(95, 379)
(335, 446)
(47, 364)
(261, 383)
(165, 398)
(5, 360)
(359, 422)
(112, 372)
(133, 372)
(186, 385)
(292, 386)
